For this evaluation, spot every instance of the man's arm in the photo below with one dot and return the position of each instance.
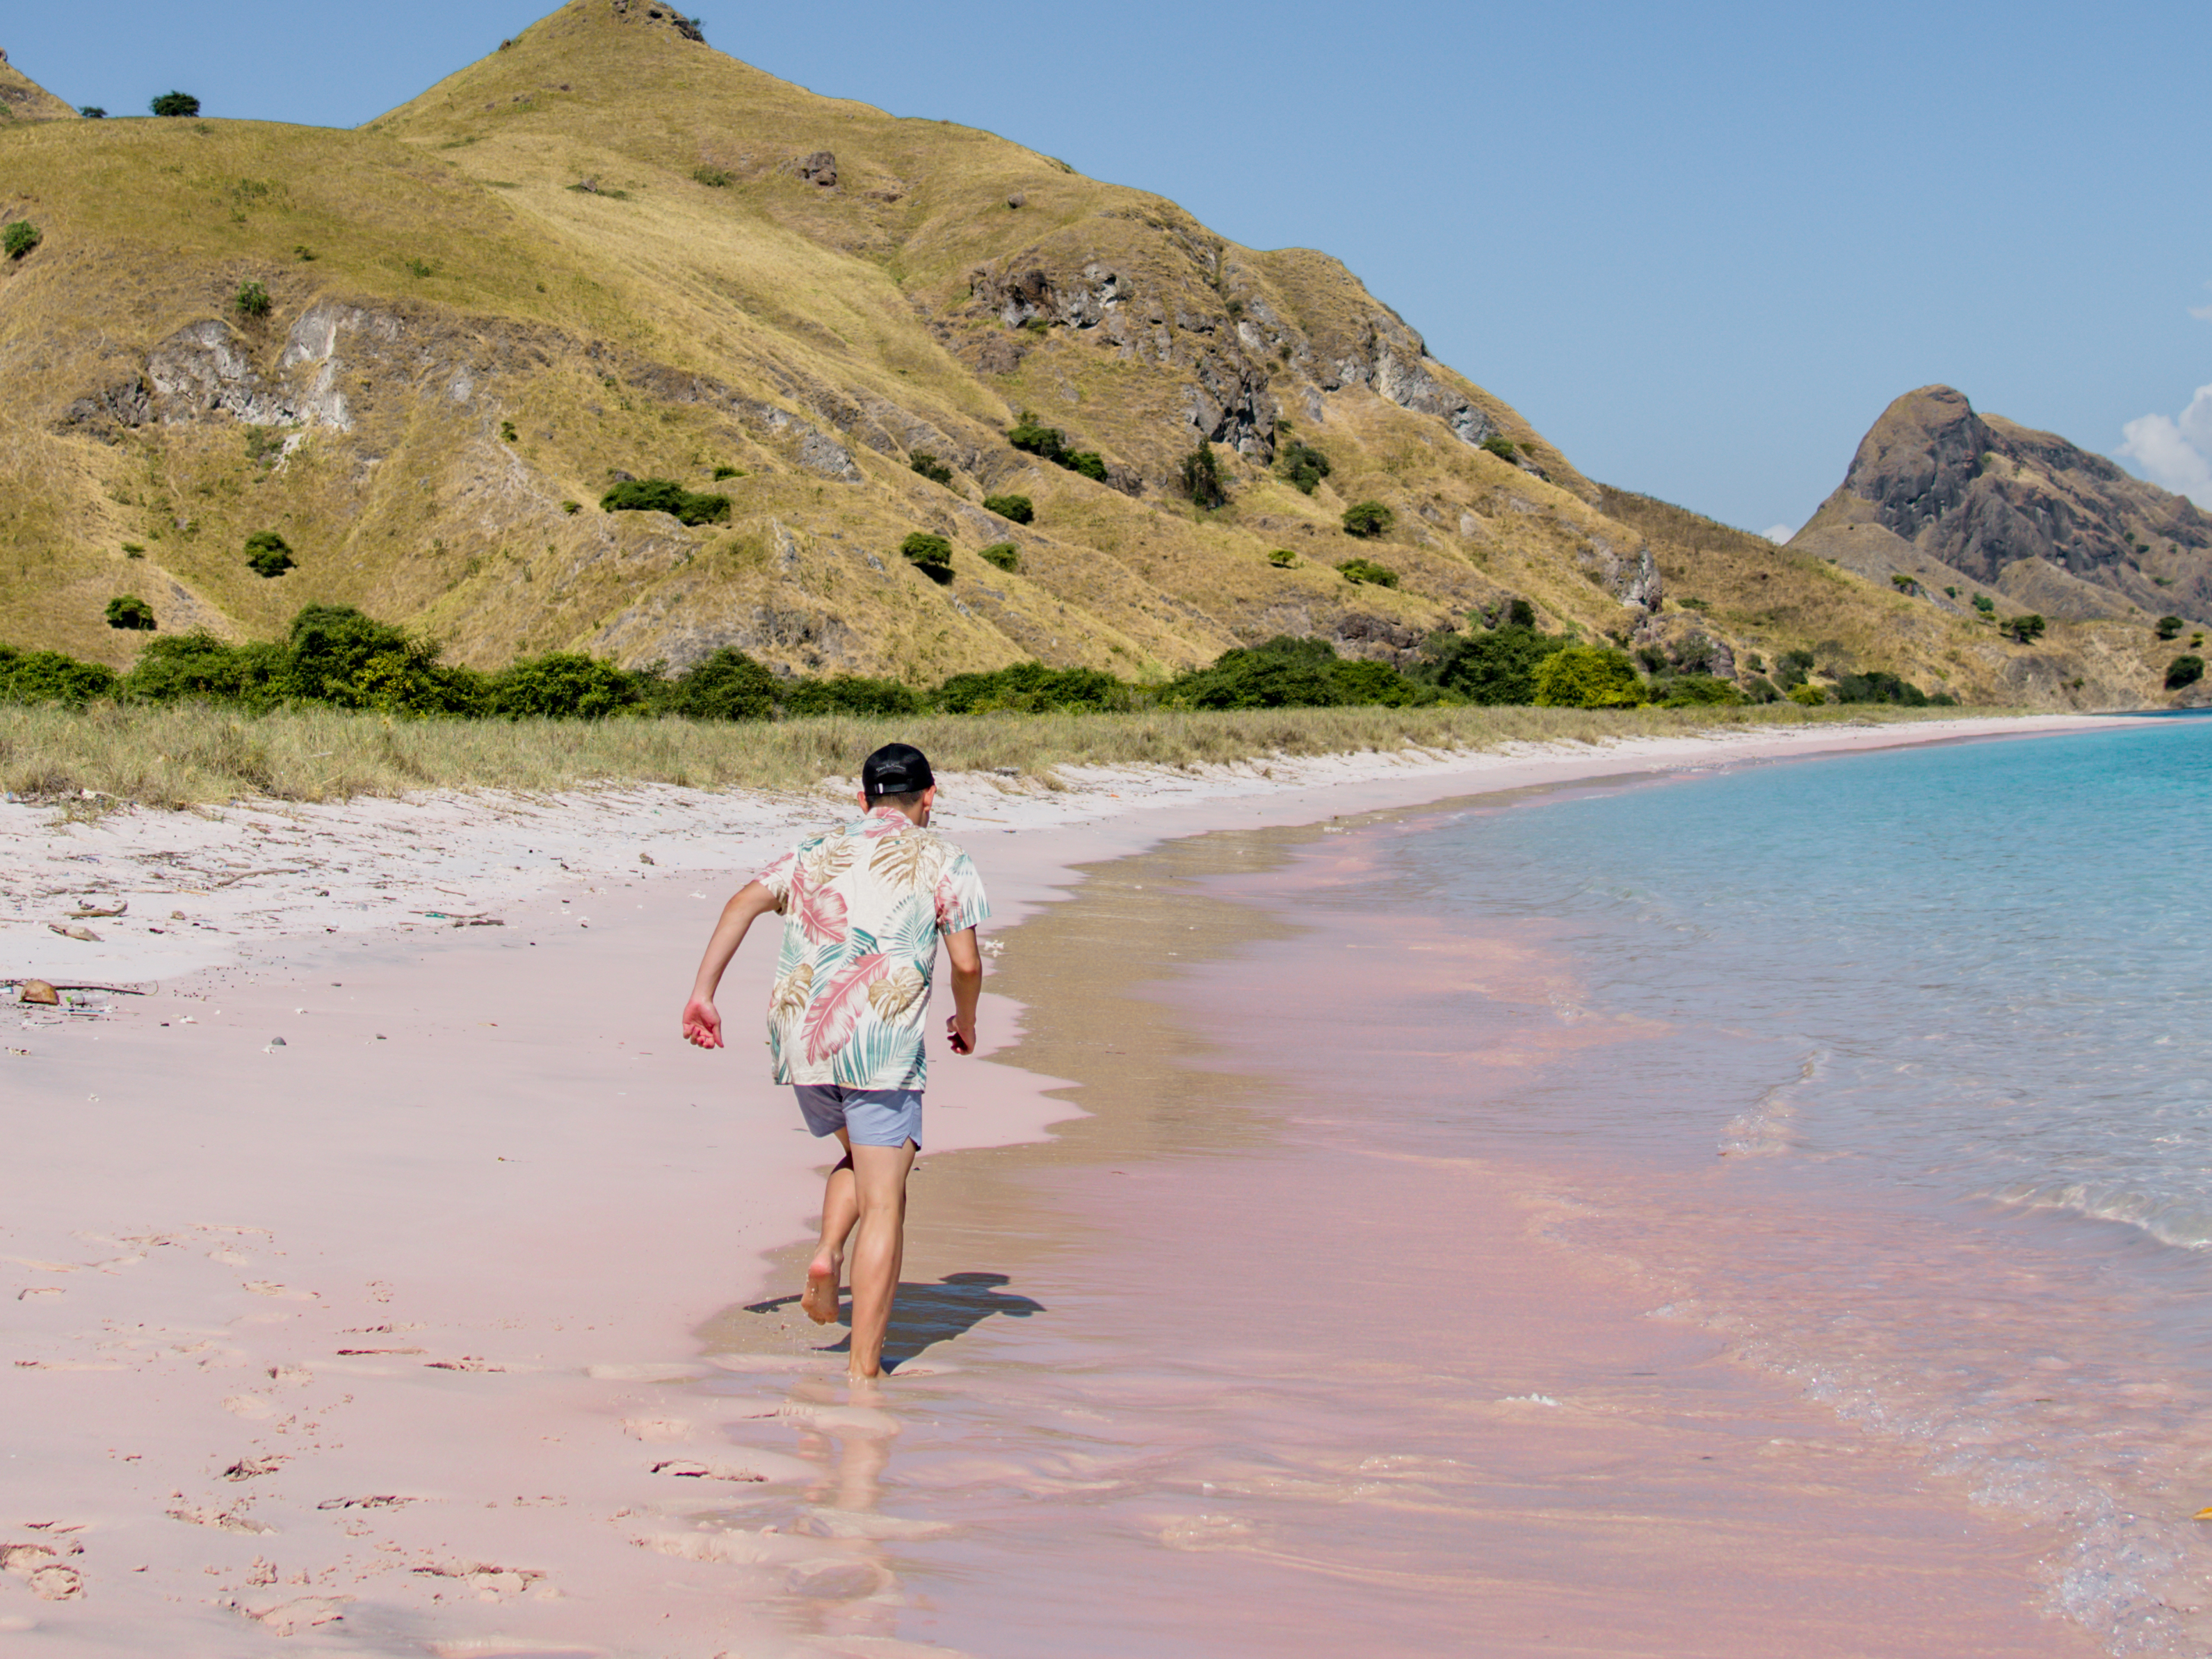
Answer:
(702, 1023)
(967, 986)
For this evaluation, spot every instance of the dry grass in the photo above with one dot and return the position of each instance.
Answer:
(182, 757)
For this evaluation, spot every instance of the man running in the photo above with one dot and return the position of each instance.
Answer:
(863, 907)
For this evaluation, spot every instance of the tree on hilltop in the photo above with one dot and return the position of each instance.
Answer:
(176, 103)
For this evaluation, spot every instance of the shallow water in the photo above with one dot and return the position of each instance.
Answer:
(1264, 1357)
(1892, 1069)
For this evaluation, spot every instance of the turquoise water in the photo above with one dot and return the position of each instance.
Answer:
(1903, 1081)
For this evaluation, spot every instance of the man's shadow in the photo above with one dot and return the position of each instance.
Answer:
(923, 1316)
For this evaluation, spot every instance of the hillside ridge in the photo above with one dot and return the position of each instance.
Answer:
(609, 250)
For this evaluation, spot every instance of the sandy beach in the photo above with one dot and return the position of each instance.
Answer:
(379, 1273)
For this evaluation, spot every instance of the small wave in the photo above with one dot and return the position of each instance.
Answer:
(2186, 1224)
(1768, 1128)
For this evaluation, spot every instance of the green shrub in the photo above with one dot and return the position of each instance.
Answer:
(572, 508)
(1030, 688)
(1588, 677)
(506, 432)
(1201, 478)
(1292, 673)
(665, 495)
(1302, 465)
(2168, 627)
(19, 239)
(726, 470)
(199, 665)
(1283, 559)
(1367, 519)
(1792, 668)
(175, 104)
(1986, 604)
(2183, 671)
(929, 467)
(1005, 555)
(267, 554)
(50, 677)
(1016, 510)
(1807, 694)
(852, 694)
(1495, 666)
(1903, 583)
(304, 254)
(728, 685)
(1699, 691)
(251, 300)
(1503, 447)
(2025, 630)
(930, 555)
(130, 611)
(1760, 688)
(561, 685)
(418, 268)
(1878, 685)
(714, 177)
(338, 656)
(1050, 444)
(1358, 571)
(134, 549)
(1037, 439)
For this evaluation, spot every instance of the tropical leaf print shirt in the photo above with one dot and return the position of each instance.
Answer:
(863, 907)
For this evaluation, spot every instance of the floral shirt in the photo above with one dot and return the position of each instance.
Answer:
(862, 909)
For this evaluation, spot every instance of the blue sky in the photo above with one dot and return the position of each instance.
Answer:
(1700, 246)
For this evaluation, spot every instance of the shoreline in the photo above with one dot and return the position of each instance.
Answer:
(461, 1214)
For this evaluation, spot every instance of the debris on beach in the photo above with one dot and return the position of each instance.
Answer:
(83, 934)
(645, 858)
(83, 913)
(38, 991)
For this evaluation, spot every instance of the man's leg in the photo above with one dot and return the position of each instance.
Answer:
(879, 1176)
(841, 1208)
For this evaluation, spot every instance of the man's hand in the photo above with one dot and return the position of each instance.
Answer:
(967, 957)
(703, 1024)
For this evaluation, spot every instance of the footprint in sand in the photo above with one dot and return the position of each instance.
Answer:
(222, 1521)
(749, 1464)
(41, 1567)
(289, 1618)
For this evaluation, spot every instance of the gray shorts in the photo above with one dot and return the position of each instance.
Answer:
(873, 1117)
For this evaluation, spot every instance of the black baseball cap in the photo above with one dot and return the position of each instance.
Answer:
(897, 768)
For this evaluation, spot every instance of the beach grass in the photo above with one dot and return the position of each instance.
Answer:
(177, 756)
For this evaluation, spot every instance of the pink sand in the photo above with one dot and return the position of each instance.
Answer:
(361, 1343)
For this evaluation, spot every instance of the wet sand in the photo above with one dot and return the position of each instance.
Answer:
(374, 1340)
(1317, 1395)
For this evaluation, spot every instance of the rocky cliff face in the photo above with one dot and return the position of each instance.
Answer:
(1951, 498)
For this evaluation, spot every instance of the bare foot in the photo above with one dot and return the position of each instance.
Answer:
(820, 1300)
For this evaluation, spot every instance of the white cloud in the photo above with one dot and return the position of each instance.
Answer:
(1778, 532)
(2175, 452)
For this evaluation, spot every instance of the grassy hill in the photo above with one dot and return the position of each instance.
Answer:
(608, 249)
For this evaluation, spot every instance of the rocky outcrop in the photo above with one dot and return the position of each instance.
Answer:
(1632, 577)
(650, 11)
(1946, 496)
